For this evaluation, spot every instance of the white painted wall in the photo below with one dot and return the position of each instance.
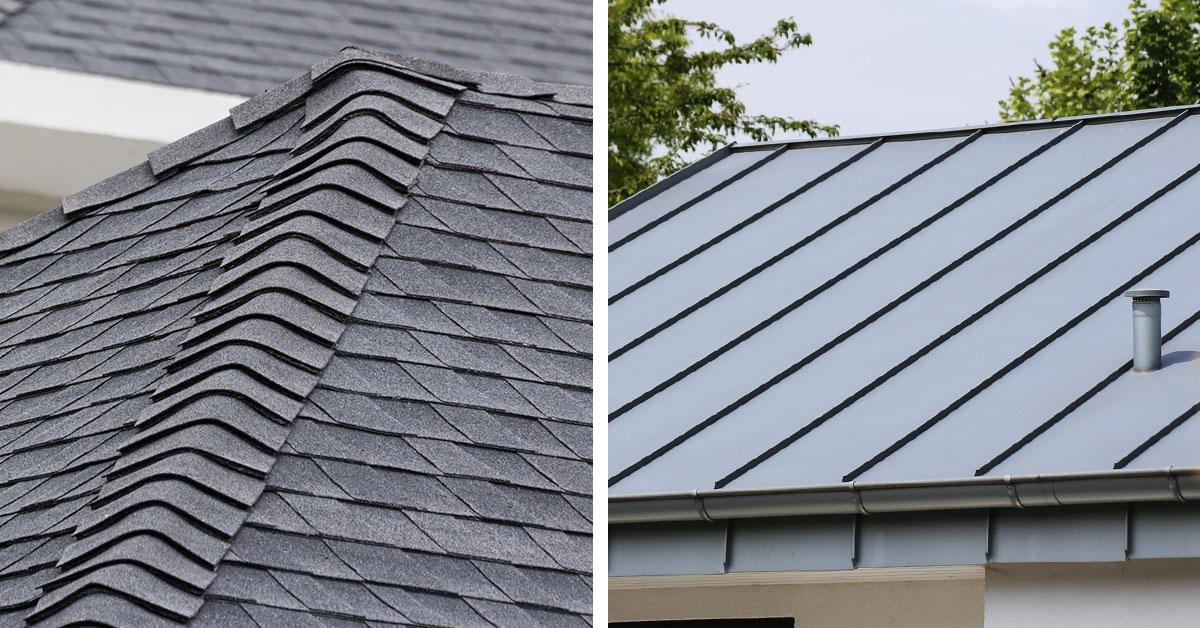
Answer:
(1162, 594)
(62, 131)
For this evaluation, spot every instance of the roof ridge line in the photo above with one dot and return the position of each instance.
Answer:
(235, 405)
(247, 116)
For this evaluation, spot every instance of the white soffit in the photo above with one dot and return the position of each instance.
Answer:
(62, 131)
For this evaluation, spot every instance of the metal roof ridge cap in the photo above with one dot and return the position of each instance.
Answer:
(1009, 491)
(999, 127)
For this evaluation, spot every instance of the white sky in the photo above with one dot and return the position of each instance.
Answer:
(878, 66)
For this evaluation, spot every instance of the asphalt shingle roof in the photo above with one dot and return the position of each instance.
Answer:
(311, 365)
(244, 47)
(912, 307)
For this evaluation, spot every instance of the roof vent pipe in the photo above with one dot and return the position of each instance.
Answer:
(1147, 329)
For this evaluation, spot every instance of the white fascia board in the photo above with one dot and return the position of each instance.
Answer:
(62, 131)
(866, 574)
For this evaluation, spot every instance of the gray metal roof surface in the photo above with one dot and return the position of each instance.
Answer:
(325, 361)
(910, 307)
(244, 47)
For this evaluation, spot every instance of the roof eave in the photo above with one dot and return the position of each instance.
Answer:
(1026, 491)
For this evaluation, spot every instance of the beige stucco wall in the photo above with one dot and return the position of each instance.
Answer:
(16, 207)
(1160, 593)
(954, 603)
(1139, 593)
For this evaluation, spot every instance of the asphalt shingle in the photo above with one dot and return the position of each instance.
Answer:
(299, 367)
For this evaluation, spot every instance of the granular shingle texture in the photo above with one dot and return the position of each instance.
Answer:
(244, 47)
(311, 365)
(920, 307)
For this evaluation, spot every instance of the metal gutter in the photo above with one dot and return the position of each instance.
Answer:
(1025, 491)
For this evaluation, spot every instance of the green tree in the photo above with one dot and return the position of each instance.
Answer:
(1151, 60)
(663, 97)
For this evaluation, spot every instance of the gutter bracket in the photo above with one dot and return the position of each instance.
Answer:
(1010, 487)
(1173, 482)
(856, 498)
(699, 502)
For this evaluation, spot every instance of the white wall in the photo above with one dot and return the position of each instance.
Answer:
(1140, 593)
(63, 131)
(16, 207)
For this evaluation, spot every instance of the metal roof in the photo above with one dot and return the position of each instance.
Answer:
(913, 307)
(326, 361)
(242, 47)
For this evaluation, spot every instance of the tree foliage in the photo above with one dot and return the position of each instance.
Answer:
(1151, 60)
(663, 97)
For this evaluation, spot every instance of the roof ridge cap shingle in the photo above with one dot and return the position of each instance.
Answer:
(202, 450)
(245, 116)
(9, 8)
(499, 83)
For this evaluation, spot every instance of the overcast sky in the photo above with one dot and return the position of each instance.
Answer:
(878, 66)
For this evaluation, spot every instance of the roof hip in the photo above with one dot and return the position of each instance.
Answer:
(228, 384)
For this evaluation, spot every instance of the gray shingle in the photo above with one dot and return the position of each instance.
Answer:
(520, 505)
(472, 390)
(271, 511)
(539, 586)
(566, 135)
(216, 377)
(471, 355)
(495, 126)
(413, 313)
(333, 596)
(245, 583)
(544, 199)
(384, 342)
(557, 368)
(471, 154)
(428, 245)
(503, 614)
(471, 188)
(479, 462)
(427, 608)
(550, 166)
(215, 613)
(495, 225)
(557, 300)
(548, 265)
(389, 416)
(385, 565)
(289, 551)
(338, 442)
(395, 488)
(467, 537)
(501, 430)
(374, 377)
(271, 616)
(572, 551)
(296, 473)
(509, 327)
(348, 520)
